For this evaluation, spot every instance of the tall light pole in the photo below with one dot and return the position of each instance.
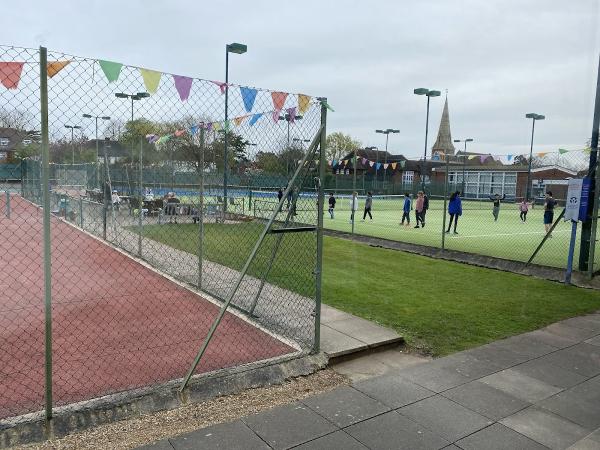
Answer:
(237, 49)
(376, 160)
(429, 94)
(387, 135)
(464, 162)
(289, 119)
(133, 97)
(533, 117)
(89, 116)
(73, 127)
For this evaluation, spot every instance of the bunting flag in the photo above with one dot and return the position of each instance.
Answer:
(587, 150)
(163, 139)
(183, 86)
(179, 133)
(393, 165)
(303, 103)
(364, 161)
(111, 69)
(278, 99)
(239, 120)
(482, 158)
(472, 156)
(10, 74)
(378, 166)
(227, 125)
(254, 119)
(152, 138)
(334, 163)
(248, 95)
(221, 85)
(329, 163)
(275, 115)
(291, 114)
(208, 126)
(328, 107)
(562, 151)
(151, 79)
(541, 154)
(385, 166)
(509, 157)
(193, 129)
(216, 126)
(56, 66)
(402, 164)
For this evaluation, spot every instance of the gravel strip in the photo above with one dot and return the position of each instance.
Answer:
(149, 428)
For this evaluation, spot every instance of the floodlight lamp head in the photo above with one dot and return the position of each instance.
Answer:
(391, 130)
(421, 91)
(540, 117)
(121, 95)
(379, 131)
(434, 94)
(457, 140)
(237, 48)
(469, 140)
(87, 116)
(530, 115)
(105, 117)
(142, 95)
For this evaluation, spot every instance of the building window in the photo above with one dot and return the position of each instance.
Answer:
(4, 142)
(3, 155)
(408, 177)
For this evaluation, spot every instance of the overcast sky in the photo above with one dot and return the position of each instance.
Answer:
(498, 59)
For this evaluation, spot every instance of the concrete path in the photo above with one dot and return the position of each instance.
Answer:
(533, 391)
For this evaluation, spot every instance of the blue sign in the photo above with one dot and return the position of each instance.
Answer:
(585, 196)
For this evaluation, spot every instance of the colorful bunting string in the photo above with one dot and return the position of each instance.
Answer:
(221, 85)
(255, 118)
(55, 67)
(10, 74)
(278, 99)
(303, 103)
(248, 95)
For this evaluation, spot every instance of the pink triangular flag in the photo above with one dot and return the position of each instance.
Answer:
(276, 115)
(221, 85)
(183, 86)
(291, 114)
(278, 99)
(10, 74)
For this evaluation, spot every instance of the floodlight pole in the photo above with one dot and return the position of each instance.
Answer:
(464, 162)
(387, 135)
(429, 93)
(533, 117)
(226, 129)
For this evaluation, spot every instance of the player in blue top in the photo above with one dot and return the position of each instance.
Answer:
(406, 209)
(455, 210)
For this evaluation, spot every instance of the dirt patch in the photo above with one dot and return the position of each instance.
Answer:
(149, 428)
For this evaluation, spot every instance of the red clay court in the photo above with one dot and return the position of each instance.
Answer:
(117, 324)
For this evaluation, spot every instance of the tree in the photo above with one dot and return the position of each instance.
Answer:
(521, 160)
(339, 145)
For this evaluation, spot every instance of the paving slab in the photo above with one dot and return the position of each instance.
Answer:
(499, 356)
(447, 418)
(232, 435)
(582, 358)
(365, 331)
(434, 378)
(546, 428)
(486, 400)
(393, 391)
(329, 314)
(498, 437)
(593, 341)
(589, 322)
(549, 373)
(551, 339)
(570, 332)
(335, 343)
(590, 442)
(525, 345)
(345, 406)
(468, 365)
(392, 430)
(521, 386)
(290, 425)
(340, 440)
(582, 409)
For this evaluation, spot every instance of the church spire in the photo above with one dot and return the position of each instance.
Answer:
(443, 144)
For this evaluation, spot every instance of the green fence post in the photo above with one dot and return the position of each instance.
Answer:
(81, 212)
(7, 204)
(201, 209)
(321, 203)
(46, 214)
(445, 204)
(140, 220)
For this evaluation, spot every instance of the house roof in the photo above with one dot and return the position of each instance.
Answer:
(15, 138)
(484, 168)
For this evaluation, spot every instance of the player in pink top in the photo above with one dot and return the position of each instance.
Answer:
(524, 208)
(419, 207)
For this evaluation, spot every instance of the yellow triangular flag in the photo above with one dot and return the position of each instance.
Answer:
(216, 126)
(151, 79)
(541, 154)
(472, 156)
(394, 166)
(303, 103)
(56, 66)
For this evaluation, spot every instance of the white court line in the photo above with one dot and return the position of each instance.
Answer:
(504, 234)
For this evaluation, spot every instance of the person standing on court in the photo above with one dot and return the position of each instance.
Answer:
(406, 209)
(353, 205)
(331, 204)
(368, 206)
(496, 210)
(455, 210)
(523, 208)
(419, 203)
(549, 205)
(425, 208)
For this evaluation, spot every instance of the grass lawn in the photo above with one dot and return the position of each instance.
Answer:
(439, 306)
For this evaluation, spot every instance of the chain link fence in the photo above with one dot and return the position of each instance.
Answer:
(499, 217)
(157, 264)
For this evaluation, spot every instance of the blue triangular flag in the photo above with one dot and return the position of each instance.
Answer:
(193, 129)
(334, 163)
(255, 118)
(248, 95)
(378, 166)
(508, 157)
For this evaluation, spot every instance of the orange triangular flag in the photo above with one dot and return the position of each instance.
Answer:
(393, 166)
(278, 99)
(56, 66)
(238, 120)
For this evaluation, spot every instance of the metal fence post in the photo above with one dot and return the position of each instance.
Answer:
(140, 220)
(321, 203)
(81, 212)
(7, 204)
(445, 204)
(46, 214)
(201, 209)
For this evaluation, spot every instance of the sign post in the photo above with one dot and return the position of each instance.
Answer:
(576, 208)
